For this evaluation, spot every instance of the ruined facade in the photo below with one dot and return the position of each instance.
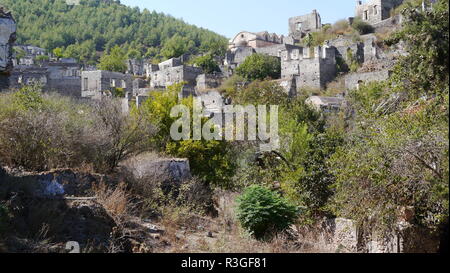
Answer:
(301, 25)
(135, 67)
(174, 71)
(375, 11)
(7, 38)
(208, 81)
(99, 83)
(312, 67)
(62, 77)
(255, 40)
(355, 80)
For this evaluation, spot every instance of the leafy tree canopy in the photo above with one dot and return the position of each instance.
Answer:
(98, 25)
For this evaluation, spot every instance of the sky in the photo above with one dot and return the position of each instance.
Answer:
(229, 17)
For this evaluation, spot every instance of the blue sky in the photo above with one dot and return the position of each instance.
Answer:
(228, 17)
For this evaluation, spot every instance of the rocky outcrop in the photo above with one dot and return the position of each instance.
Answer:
(7, 38)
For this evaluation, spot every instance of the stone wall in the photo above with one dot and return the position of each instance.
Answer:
(301, 25)
(344, 45)
(312, 68)
(172, 75)
(7, 38)
(343, 236)
(208, 81)
(375, 11)
(352, 81)
(94, 83)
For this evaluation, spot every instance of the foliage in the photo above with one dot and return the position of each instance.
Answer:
(41, 131)
(262, 212)
(259, 92)
(425, 70)
(330, 32)
(211, 161)
(114, 61)
(177, 46)
(98, 25)
(362, 27)
(207, 63)
(20, 53)
(58, 52)
(42, 58)
(260, 67)
(396, 154)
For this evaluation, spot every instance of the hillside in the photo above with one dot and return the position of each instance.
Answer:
(98, 25)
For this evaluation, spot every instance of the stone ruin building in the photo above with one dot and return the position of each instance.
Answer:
(62, 76)
(301, 67)
(310, 67)
(8, 29)
(302, 25)
(375, 11)
(98, 83)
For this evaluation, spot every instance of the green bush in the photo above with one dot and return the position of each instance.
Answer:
(262, 212)
(361, 26)
(41, 131)
(260, 67)
(207, 63)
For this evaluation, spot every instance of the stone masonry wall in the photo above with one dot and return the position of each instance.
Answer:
(7, 37)
(352, 81)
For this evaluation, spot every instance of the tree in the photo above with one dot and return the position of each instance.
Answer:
(260, 67)
(207, 63)
(362, 27)
(58, 52)
(396, 154)
(212, 161)
(176, 46)
(114, 61)
(53, 24)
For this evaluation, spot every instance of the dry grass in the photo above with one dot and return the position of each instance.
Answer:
(116, 201)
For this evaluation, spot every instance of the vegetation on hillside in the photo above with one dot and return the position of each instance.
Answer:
(95, 26)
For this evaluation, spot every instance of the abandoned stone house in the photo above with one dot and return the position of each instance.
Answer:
(311, 67)
(302, 25)
(95, 84)
(375, 11)
(62, 77)
(136, 67)
(209, 81)
(28, 75)
(174, 71)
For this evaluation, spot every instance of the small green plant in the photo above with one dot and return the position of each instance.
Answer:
(262, 212)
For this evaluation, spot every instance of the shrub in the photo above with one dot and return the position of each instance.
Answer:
(261, 92)
(39, 132)
(261, 211)
(361, 26)
(207, 63)
(114, 61)
(260, 67)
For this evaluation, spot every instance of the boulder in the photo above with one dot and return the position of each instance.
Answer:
(161, 169)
